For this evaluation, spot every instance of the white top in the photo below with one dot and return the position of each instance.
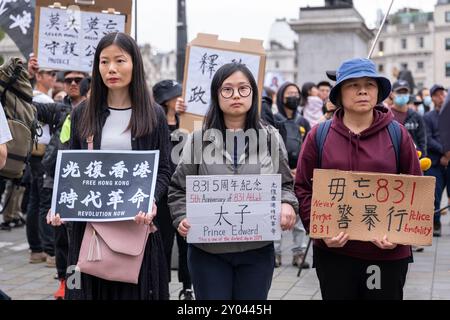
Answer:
(5, 134)
(115, 135)
(43, 98)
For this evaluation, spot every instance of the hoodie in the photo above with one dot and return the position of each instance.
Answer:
(280, 97)
(291, 130)
(370, 151)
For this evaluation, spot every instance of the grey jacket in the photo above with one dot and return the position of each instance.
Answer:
(265, 165)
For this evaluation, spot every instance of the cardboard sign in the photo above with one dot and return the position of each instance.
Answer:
(444, 127)
(204, 56)
(371, 205)
(104, 185)
(67, 35)
(16, 19)
(233, 208)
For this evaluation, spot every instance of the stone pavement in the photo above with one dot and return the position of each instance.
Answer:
(428, 276)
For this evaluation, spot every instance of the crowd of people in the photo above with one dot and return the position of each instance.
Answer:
(113, 109)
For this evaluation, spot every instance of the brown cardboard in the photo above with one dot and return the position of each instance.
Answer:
(249, 46)
(122, 6)
(411, 197)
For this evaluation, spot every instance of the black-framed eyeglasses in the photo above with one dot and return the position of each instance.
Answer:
(70, 80)
(228, 92)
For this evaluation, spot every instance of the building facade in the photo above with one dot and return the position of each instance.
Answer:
(327, 36)
(158, 66)
(419, 42)
(281, 50)
(407, 42)
(441, 47)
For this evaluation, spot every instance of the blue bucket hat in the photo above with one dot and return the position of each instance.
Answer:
(360, 68)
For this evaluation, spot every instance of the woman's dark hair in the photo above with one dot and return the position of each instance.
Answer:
(143, 116)
(85, 85)
(307, 86)
(214, 117)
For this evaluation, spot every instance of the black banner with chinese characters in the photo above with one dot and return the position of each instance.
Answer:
(17, 20)
(104, 185)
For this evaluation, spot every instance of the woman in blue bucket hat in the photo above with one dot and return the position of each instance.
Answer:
(357, 139)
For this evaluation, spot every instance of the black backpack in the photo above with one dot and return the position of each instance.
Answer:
(395, 134)
(290, 131)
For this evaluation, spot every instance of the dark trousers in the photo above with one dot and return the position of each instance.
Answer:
(440, 173)
(346, 278)
(163, 221)
(231, 276)
(61, 249)
(40, 235)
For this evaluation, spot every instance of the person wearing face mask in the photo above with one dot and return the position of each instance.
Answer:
(293, 129)
(425, 96)
(406, 116)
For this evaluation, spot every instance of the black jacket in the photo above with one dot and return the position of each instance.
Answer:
(415, 125)
(157, 140)
(435, 148)
(53, 114)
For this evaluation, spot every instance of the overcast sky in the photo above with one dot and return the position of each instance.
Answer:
(235, 19)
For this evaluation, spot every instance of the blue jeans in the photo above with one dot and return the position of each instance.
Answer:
(231, 276)
(440, 173)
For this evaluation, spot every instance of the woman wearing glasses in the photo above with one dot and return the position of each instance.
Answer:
(238, 270)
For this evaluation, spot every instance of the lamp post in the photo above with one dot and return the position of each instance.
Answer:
(181, 38)
(135, 21)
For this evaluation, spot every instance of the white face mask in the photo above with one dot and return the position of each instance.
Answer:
(421, 109)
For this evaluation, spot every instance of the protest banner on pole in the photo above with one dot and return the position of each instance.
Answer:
(204, 56)
(233, 208)
(371, 205)
(16, 19)
(67, 33)
(104, 185)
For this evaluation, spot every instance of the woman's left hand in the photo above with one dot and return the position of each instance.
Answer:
(288, 217)
(384, 243)
(146, 218)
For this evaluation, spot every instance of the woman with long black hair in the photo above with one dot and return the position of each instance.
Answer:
(238, 270)
(120, 115)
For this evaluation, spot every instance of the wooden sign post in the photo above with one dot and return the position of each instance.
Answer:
(204, 56)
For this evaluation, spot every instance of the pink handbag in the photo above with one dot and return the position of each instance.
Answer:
(114, 250)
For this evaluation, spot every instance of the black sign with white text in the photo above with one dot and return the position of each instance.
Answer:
(104, 185)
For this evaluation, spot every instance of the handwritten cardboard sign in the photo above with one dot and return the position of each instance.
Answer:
(104, 185)
(67, 35)
(233, 208)
(371, 205)
(204, 56)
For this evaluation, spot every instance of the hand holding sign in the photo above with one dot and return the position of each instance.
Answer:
(54, 219)
(384, 243)
(183, 228)
(372, 207)
(288, 217)
(146, 218)
(337, 242)
(180, 106)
